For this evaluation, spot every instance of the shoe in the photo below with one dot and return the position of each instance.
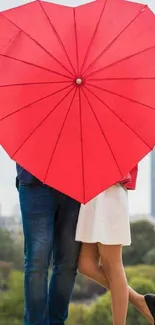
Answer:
(150, 301)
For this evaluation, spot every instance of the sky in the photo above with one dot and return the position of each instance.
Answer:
(139, 200)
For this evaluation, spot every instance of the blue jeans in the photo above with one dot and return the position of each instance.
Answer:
(49, 224)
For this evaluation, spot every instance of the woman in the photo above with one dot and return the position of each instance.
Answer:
(104, 227)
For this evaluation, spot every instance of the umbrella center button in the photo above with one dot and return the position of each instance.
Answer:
(79, 81)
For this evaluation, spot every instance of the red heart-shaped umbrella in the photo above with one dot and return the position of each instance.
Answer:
(77, 91)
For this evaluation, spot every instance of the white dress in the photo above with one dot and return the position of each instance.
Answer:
(105, 219)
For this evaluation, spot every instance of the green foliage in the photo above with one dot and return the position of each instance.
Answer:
(142, 284)
(149, 258)
(6, 246)
(100, 312)
(12, 301)
(5, 270)
(85, 288)
(141, 278)
(141, 271)
(11, 249)
(77, 314)
(135, 318)
(143, 240)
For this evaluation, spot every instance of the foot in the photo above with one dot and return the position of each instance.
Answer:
(143, 308)
(150, 301)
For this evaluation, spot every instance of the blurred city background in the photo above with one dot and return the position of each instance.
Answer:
(90, 302)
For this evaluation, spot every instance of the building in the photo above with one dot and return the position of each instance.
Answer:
(11, 223)
(153, 184)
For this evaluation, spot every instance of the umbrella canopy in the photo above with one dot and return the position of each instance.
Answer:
(77, 101)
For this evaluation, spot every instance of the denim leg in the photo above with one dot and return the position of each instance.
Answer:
(38, 206)
(65, 258)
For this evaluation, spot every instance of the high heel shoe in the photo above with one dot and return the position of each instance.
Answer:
(150, 301)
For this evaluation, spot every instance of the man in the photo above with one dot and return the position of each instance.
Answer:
(49, 224)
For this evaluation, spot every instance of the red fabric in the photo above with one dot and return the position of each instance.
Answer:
(79, 139)
(130, 180)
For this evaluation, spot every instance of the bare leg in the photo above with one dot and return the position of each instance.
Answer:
(90, 267)
(111, 257)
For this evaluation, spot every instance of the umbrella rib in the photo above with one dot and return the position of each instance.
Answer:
(121, 60)
(82, 148)
(38, 44)
(103, 133)
(76, 40)
(45, 118)
(132, 78)
(112, 111)
(57, 35)
(10, 41)
(34, 65)
(93, 36)
(115, 39)
(34, 83)
(119, 95)
(59, 135)
(33, 103)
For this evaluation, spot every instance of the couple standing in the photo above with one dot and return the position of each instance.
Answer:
(54, 227)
